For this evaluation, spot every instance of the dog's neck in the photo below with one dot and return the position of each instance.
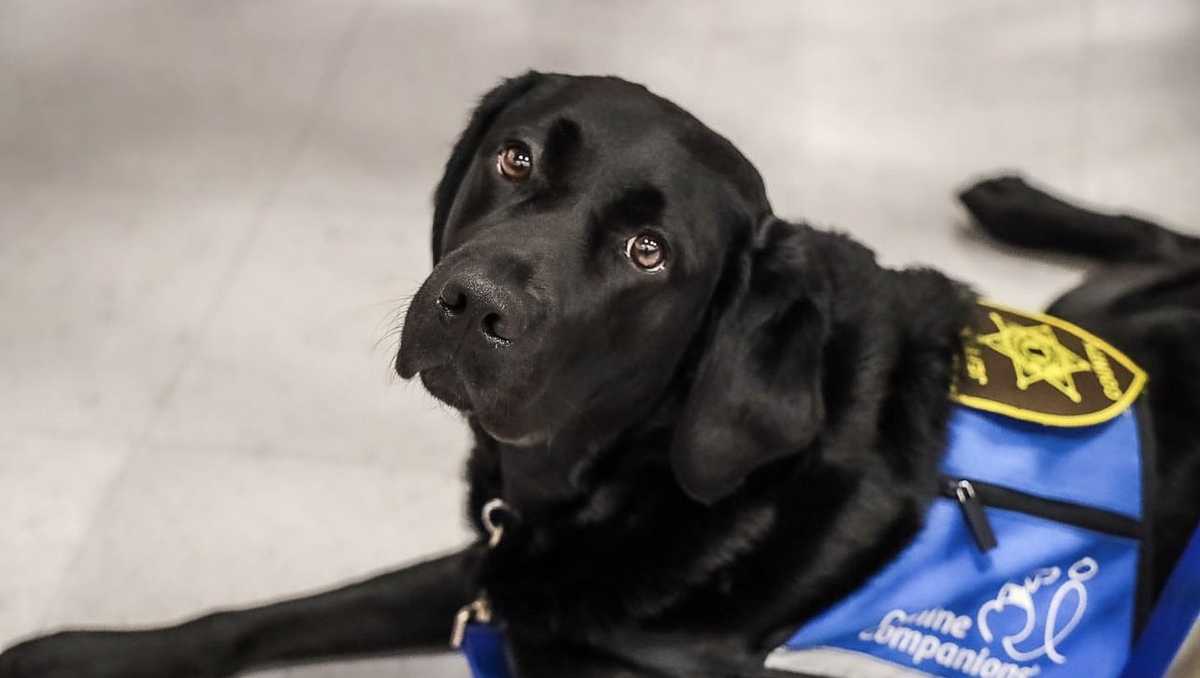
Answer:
(536, 479)
(553, 477)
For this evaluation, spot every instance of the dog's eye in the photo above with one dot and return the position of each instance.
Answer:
(647, 251)
(515, 161)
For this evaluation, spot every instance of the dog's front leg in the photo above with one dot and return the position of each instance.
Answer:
(409, 610)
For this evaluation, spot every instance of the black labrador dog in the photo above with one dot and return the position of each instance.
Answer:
(707, 423)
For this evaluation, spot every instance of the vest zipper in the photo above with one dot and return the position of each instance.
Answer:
(972, 508)
(973, 495)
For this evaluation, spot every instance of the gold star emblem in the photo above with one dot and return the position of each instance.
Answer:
(1037, 355)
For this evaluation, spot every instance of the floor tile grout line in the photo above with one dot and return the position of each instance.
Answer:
(330, 75)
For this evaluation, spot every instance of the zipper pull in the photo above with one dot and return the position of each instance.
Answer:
(977, 519)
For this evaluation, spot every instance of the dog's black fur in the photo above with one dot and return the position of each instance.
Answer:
(699, 458)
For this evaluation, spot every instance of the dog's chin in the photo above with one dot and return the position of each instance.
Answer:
(506, 423)
(443, 384)
(496, 420)
(503, 432)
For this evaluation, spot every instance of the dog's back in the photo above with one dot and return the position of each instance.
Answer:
(1146, 301)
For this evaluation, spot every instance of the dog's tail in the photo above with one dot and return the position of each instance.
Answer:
(1015, 213)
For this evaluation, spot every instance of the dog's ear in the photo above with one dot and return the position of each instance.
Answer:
(756, 395)
(490, 106)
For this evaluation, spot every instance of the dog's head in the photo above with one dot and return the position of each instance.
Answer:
(596, 246)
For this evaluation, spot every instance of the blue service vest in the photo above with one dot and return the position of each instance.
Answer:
(1029, 564)
(1052, 598)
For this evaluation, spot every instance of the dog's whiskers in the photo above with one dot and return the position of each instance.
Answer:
(393, 320)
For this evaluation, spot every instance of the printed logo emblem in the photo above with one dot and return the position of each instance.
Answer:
(1022, 598)
(1036, 355)
(1038, 368)
(1025, 633)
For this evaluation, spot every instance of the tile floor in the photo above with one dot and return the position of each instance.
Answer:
(210, 212)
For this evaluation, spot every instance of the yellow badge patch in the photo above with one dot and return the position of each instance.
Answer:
(1038, 368)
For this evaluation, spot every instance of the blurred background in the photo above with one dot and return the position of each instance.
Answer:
(210, 213)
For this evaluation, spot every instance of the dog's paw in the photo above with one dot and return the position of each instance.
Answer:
(1012, 211)
(103, 654)
(999, 198)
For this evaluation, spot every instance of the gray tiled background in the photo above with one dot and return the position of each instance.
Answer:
(211, 211)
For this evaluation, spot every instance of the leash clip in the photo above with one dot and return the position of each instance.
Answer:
(478, 610)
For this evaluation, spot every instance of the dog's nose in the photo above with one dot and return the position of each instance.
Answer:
(498, 315)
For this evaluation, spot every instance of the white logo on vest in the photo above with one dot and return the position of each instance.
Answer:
(905, 632)
(1022, 597)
